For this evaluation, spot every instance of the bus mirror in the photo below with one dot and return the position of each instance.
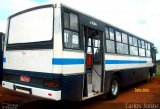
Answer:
(154, 49)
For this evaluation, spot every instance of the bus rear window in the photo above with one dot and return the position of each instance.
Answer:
(31, 26)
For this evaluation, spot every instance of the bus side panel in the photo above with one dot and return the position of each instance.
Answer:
(117, 62)
(73, 62)
(108, 76)
(29, 60)
(132, 69)
(73, 71)
(72, 86)
(127, 76)
(131, 76)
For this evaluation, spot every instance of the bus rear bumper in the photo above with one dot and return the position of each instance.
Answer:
(49, 94)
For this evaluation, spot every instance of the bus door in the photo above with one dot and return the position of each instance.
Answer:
(93, 80)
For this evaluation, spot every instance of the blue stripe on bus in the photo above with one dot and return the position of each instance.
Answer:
(67, 61)
(4, 59)
(125, 62)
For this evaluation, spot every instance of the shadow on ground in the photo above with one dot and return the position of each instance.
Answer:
(98, 102)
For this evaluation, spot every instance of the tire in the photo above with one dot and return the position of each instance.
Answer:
(148, 80)
(114, 88)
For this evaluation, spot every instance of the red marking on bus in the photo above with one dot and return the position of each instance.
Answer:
(49, 94)
(25, 78)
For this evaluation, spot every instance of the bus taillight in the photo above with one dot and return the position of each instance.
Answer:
(51, 83)
(89, 60)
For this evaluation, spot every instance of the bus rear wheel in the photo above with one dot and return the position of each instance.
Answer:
(114, 88)
(148, 77)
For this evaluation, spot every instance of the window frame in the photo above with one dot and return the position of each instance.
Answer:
(119, 36)
(32, 45)
(132, 41)
(142, 46)
(123, 44)
(147, 48)
(108, 31)
(130, 38)
(113, 47)
(121, 32)
(133, 44)
(130, 50)
(110, 34)
(123, 36)
(71, 30)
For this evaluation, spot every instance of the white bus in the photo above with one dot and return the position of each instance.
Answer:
(59, 53)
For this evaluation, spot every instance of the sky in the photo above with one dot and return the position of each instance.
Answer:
(140, 17)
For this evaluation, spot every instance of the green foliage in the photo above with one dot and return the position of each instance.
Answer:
(158, 73)
(158, 70)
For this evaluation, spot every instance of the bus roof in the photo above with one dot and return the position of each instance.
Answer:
(66, 6)
(1, 33)
(107, 24)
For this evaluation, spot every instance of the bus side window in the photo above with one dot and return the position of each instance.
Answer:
(71, 39)
(71, 31)
(110, 44)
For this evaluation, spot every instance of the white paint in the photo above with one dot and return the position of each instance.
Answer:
(56, 95)
(7, 85)
(57, 38)
(73, 68)
(29, 60)
(73, 54)
(109, 56)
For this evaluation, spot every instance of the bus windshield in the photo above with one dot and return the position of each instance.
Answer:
(31, 26)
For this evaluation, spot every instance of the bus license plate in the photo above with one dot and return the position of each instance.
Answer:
(25, 78)
(22, 89)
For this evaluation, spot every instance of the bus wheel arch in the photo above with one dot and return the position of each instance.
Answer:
(114, 85)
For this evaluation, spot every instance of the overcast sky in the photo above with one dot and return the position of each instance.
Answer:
(140, 17)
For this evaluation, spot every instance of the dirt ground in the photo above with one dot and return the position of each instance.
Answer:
(137, 96)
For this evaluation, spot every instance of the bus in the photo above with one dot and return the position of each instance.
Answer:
(56, 52)
(1, 55)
